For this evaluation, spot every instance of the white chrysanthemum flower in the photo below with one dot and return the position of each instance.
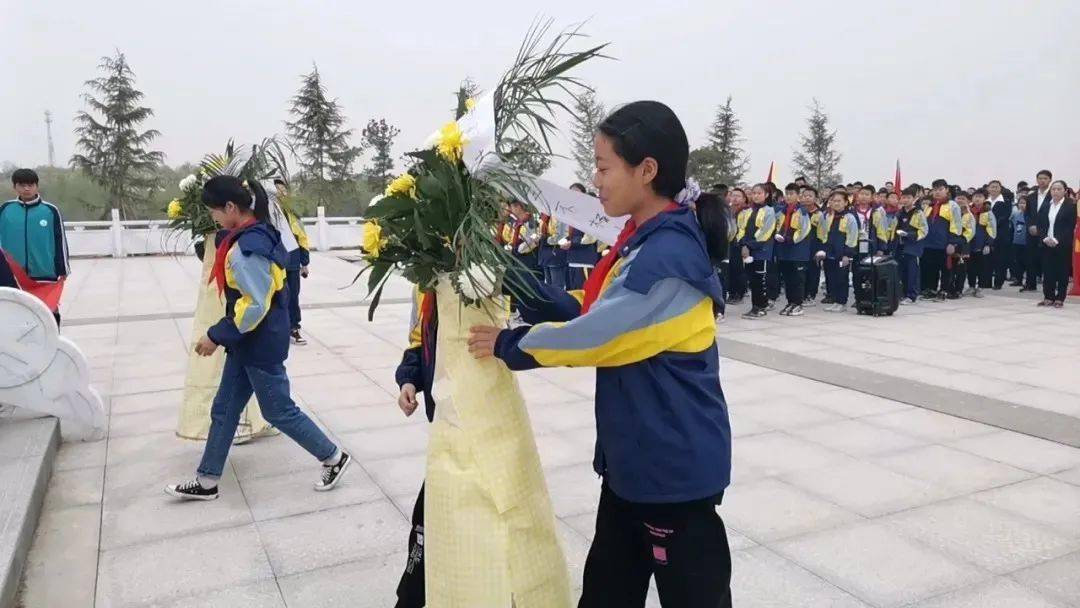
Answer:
(188, 183)
(478, 282)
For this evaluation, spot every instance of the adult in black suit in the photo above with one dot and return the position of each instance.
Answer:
(1001, 207)
(1055, 224)
(1039, 197)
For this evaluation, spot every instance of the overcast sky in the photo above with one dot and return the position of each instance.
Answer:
(969, 90)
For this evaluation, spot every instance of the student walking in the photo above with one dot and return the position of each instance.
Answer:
(249, 269)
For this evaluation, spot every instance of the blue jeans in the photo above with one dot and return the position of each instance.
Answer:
(271, 388)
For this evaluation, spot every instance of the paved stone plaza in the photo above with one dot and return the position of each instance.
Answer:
(841, 497)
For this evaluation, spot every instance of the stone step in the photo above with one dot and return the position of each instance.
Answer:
(27, 451)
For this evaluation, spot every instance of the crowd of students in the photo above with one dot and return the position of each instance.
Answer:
(947, 241)
(943, 238)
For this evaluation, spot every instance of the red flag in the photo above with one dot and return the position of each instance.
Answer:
(896, 181)
(769, 178)
(47, 291)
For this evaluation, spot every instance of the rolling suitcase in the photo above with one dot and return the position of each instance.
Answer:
(877, 286)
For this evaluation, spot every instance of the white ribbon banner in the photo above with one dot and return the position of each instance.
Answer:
(583, 212)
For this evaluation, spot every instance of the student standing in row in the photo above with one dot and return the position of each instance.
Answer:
(736, 290)
(839, 236)
(911, 229)
(756, 227)
(808, 197)
(1018, 250)
(981, 269)
(1002, 245)
(943, 218)
(793, 251)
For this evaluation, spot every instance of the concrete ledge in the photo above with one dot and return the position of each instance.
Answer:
(987, 410)
(27, 451)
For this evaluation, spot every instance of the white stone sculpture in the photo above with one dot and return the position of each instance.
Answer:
(42, 371)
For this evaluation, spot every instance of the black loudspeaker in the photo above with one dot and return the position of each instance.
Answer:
(877, 286)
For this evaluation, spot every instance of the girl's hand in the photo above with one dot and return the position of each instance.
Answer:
(950, 249)
(304, 271)
(482, 341)
(407, 399)
(205, 346)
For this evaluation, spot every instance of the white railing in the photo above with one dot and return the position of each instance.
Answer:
(118, 238)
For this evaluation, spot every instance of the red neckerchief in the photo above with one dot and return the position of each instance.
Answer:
(977, 212)
(787, 218)
(603, 267)
(544, 221)
(516, 237)
(935, 209)
(427, 323)
(218, 273)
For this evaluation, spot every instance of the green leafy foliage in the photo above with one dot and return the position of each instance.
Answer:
(446, 225)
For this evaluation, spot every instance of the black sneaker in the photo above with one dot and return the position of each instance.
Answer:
(297, 339)
(192, 490)
(331, 474)
(828, 300)
(795, 311)
(755, 313)
(785, 310)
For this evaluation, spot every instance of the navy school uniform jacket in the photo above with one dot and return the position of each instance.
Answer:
(417, 365)
(797, 245)
(884, 226)
(256, 326)
(662, 432)
(986, 232)
(583, 250)
(913, 225)
(757, 225)
(944, 225)
(839, 234)
(549, 253)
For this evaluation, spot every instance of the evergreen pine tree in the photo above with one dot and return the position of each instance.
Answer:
(588, 113)
(379, 136)
(319, 135)
(525, 154)
(722, 159)
(818, 160)
(111, 149)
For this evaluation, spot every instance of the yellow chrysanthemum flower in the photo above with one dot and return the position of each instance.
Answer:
(451, 142)
(470, 103)
(403, 184)
(372, 242)
(176, 209)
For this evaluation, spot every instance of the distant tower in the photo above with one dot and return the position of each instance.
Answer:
(48, 133)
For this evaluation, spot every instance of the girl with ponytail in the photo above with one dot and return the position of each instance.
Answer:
(645, 322)
(249, 269)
